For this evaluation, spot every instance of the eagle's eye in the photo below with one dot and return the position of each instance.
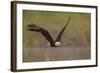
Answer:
(57, 43)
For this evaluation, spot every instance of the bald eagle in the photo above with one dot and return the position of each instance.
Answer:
(46, 34)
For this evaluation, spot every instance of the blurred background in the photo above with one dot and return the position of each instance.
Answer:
(75, 41)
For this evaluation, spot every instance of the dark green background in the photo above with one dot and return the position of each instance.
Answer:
(75, 41)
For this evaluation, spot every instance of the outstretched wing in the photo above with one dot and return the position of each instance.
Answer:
(62, 30)
(45, 33)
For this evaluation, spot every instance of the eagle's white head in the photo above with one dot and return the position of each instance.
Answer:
(57, 43)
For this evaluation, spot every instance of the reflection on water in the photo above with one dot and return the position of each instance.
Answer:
(37, 54)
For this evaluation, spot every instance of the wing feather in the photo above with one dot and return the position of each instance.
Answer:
(62, 30)
(44, 32)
